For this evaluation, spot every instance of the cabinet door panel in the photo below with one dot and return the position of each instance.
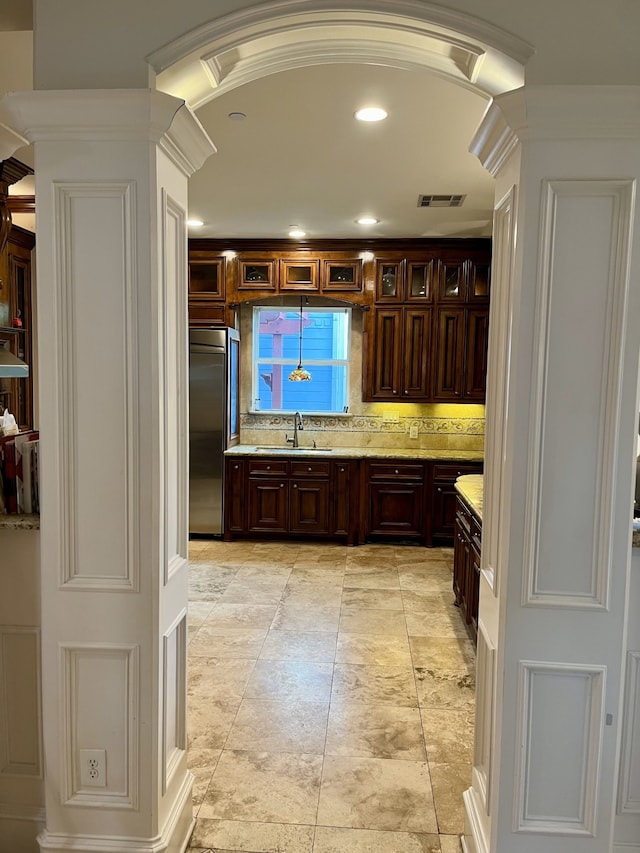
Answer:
(387, 354)
(234, 496)
(309, 510)
(395, 509)
(475, 378)
(343, 523)
(417, 353)
(443, 511)
(268, 505)
(299, 275)
(449, 354)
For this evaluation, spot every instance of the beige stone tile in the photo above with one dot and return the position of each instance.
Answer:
(371, 599)
(280, 726)
(198, 611)
(373, 622)
(430, 564)
(261, 786)
(449, 781)
(448, 654)
(375, 793)
(332, 839)
(440, 689)
(373, 555)
(380, 650)
(289, 680)
(448, 735)
(301, 617)
(315, 646)
(225, 616)
(425, 581)
(304, 593)
(450, 844)
(209, 721)
(253, 592)
(232, 643)
(375, 731)
(434, 601)
(325, 574)
(448, 624)
(363, 683)
(263, 574)
(375, 577)
(202, 763)
(238, 835)
(220, 678)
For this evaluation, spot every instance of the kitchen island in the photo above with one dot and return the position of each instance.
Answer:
(349, 494)
(467, 548)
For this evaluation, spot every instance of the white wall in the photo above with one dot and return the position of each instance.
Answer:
(576, 41)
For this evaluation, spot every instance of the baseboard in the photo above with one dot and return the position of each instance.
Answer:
(626, 847)
(173, 839)
(474, 840)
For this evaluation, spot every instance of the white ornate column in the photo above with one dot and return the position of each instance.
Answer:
(111, 189)
(561, 439)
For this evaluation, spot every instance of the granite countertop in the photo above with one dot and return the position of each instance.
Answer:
(19, 522)
(635, 542)
(355, 452)
(470, 487)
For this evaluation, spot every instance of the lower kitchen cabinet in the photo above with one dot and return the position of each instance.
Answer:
(443, 499)
(466, 565)
(289, 497)
(394, 502)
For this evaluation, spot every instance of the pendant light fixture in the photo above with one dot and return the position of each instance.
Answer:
(300, 374)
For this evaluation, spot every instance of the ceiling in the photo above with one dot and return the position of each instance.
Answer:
(300, 158)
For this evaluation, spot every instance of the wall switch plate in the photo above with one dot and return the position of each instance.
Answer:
(413, 431)
(93, 768)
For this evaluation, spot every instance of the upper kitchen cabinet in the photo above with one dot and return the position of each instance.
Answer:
(207, 289)
(462, 279)
(404, 279)
(299, 274)
(341, 272)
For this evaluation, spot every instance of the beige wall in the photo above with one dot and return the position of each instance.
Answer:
(441, 426)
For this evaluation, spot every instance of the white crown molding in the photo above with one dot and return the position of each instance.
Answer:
(555, 112)
(412, 15)
(479, 53)
(108, 115)
(10, 141)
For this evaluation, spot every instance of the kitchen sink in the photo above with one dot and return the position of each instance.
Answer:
(285, 451)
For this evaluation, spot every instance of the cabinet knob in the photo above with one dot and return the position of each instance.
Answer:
(282, 485)
(236, 467)
(394, 391)
(396, 471)
(406, 392)
(342, 469)
(309, 468)
(295, 485)
(438, 489)
(268, 467)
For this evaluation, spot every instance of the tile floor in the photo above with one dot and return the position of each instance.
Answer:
(331, 694)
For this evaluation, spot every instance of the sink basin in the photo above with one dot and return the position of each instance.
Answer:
(285, 451)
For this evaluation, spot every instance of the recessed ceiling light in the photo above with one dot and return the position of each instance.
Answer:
(237, 116)
(195, 223)
(296, 232)
(371, 114)
(367, 220)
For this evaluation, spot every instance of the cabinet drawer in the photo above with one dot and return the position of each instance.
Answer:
(304, 468)
(450, 471)
(268, 467)
(395, 471)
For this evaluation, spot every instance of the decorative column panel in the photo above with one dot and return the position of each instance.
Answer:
(562, 426)
(111, 189)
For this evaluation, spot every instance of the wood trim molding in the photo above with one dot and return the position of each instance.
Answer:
(21, 203)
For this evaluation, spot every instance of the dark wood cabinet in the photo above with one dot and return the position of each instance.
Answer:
(289, 497)
(466, 565)
(394, 499)
(401, 356)
(207, 289)
(444, 498)
(462, 337)
(16, 329)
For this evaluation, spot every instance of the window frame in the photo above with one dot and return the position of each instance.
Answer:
(294, 307)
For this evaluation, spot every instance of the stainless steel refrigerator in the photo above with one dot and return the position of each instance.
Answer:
(213, 424)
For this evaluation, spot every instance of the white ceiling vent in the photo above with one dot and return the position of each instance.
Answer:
(440, 200)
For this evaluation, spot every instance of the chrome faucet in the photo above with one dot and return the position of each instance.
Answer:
(298, 424)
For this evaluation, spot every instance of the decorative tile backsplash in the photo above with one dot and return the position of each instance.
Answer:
(387, 429)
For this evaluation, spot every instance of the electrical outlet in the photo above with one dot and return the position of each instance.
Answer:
(93, 768)
(413, 431)
(391, 417)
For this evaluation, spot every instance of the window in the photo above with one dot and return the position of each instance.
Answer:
(276, 352)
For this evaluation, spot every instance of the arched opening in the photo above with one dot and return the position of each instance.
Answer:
(210, 67)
